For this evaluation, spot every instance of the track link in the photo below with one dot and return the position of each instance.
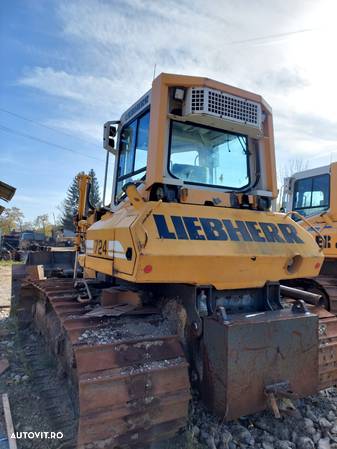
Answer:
(329, 285)
(127, 376)
(327, 332)
(327, 326)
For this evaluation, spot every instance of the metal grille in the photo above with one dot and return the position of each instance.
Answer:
(220, 104)
(197, 100)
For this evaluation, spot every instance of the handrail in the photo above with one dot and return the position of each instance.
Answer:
(307, 222)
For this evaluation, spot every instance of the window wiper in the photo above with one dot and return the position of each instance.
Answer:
(245, 149)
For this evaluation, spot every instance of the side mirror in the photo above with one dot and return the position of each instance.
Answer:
(109, 134)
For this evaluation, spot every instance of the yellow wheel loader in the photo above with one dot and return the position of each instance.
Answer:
(181, 274)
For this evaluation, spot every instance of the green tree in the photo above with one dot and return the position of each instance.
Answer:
(70, 204)
(94, 196)
(11, 220)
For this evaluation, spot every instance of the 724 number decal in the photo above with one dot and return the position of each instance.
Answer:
(100, 247)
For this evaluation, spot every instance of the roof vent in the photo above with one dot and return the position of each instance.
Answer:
(202, 100)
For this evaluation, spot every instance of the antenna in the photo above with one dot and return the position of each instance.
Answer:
(154, 71)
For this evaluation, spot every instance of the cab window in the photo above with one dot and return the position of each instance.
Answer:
(311, 195)
(133, 148)
(208, 156)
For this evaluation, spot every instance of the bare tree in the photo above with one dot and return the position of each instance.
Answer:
(291, 167)
(41, 222)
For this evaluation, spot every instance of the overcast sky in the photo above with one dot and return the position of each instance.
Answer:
(72, 65)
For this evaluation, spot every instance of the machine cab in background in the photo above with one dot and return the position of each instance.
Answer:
(312, 193)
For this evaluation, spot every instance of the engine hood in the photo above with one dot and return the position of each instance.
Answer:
(227, 248)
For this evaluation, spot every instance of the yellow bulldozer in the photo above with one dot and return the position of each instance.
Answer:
(180, 284)
(310, 196)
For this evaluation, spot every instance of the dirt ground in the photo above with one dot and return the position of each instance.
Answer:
(5, 285)
(22, 347)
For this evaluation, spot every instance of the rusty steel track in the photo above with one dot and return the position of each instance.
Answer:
(324, 285)
(127, 376)
(327, 332)
(327, 348)
(329, 286)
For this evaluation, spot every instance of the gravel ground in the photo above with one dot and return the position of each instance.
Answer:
(124, 330)
(314, 425)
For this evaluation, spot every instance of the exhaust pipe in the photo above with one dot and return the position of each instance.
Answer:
(295, 293)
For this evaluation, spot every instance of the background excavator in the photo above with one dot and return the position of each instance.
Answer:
(181, 273)
(310, 196)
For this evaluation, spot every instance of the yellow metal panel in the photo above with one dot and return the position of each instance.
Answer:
(222, 263)
(223, 273)
(261, 251)
(110, 239)
(98, 264)
(193, 196)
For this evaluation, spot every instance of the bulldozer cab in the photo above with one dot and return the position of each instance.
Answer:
(197, 141)
(312, 193)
